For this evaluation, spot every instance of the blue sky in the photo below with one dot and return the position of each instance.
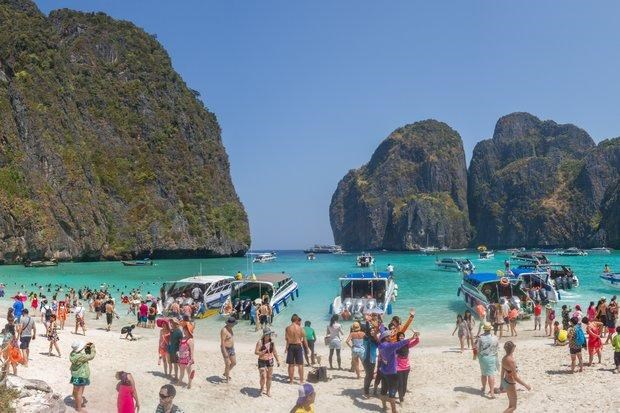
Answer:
(305, 91)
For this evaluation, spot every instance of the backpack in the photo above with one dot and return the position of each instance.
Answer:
(48, 312)
(580, 338)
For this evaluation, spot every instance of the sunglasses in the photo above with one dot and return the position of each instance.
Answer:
(163, 396)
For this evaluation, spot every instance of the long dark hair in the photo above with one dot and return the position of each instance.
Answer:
(333, 320)
(403, 351)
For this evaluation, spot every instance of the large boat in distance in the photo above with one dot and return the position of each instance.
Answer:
(41, 264)
(599, 251)
(573, 252)
(137, 263)
(536, 258)
(266, 257)
(324, 249)
(277, 288)
(365, 292)
(458, 264)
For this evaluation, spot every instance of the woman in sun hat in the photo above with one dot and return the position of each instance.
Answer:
(486, 349)
(305, 401)
(266, 352)
(81, 354)
(356, 342)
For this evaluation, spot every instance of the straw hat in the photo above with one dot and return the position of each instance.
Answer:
(487, 327)
(356, 327)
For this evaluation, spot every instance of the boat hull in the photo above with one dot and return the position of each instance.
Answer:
(611, 279)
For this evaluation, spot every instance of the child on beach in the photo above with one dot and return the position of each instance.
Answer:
(615, 342)
(556, 333)
(549, 319)
(537, 316)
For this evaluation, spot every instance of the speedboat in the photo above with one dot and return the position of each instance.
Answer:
(263, 258)
(311, 257)
(40, 264)
(324, 249)
(137, 263)
(573, 252)
(530, 258)
(458, 264)
(486, 255)
(611, 279)
(562, 276)
(210, 290)
(538, 284)
(488, 288)
(365, 260)
(364, 292)
(277, 288)
(599, 251)
(429, 250)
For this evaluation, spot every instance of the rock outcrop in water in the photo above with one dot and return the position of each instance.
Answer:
(104, 151)
(537, 183)
(413, 191)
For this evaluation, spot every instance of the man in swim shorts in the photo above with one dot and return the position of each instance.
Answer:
(227, 345)
(295, 343)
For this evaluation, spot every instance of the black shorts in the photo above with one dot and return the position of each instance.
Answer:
(262, 364)
(617, 358)
(389, 385)
(295, 354)
(108, 318)
(24, 342)
(263, 319)
(575, 350)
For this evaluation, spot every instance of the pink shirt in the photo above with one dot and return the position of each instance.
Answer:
(144, 310)
(591, 313)
(402, 363)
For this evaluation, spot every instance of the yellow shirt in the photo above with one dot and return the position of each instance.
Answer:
(302, 409)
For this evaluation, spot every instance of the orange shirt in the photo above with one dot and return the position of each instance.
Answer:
(402, 329)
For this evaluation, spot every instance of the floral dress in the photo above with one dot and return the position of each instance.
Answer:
(52, 334)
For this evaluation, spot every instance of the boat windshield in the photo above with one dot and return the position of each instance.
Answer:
(189, 290)
(250, 291)
(364, 289)
(493, 291)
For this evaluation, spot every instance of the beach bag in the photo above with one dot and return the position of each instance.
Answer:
(580, 338)
(318, 374)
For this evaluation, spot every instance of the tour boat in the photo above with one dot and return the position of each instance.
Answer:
(365, 260)
(538, 284)
(40, 264)
(324, 249)
(486, 255)
(278, 288)
(599, 251)
(573, 252)
(611, 279)
(488, 288)
(561, 275)
(530, 258)
(211, 290)
(263, 258)
(364, 292)
(458, 264)
(429, 250)
(137, 263)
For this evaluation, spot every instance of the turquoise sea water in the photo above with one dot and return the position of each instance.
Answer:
(432, 292)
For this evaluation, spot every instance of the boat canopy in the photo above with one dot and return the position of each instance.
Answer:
(202, 279)
(518, 271)
(366, 275)
(271, 278)
(479, 278)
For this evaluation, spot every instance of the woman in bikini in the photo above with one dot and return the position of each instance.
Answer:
(356, 342)
(266, 352)
(510, 378)
(52, 335)
(186, 354)
(461, 326)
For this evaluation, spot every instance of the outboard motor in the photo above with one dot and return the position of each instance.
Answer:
(371, 304)
(347, 304)
(357, 308)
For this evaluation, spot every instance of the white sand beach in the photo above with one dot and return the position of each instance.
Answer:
(442, 379)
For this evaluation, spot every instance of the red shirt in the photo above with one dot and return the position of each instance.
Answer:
(537, 309)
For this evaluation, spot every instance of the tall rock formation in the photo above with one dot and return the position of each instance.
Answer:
(104, 151)
(413, 191)
(540, 184)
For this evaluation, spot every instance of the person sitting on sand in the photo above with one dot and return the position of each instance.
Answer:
(266, 352)
(486, 349)
(227, 347)
(166, 397)
(305, 401)
(127, 399)
(510, 377)
(295, 339)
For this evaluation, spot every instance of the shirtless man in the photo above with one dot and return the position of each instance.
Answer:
(227, 345)
(109, 313)
(295, 343)
(263, 314)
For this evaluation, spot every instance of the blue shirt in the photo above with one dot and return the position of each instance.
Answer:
(18, 308)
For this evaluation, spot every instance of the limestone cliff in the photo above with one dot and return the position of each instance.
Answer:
(412, 191)
(104, 150)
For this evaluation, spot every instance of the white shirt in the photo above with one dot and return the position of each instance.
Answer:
(79, 311)
(390, 268)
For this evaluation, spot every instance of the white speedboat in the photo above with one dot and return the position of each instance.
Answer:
(562, 276)
(365, 260)
(599, 251)
(611, 279)
(212, 290)
(486, 255)
(573, 252)
(311, 257)
(324, 249)
(537, 284)
(455, 264)
(536, 258)
(364, 292)
(488, 288)
(429, 250)
(278, 289)
(266, 257)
